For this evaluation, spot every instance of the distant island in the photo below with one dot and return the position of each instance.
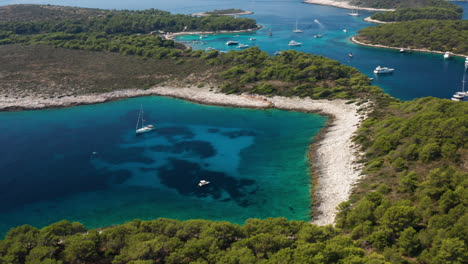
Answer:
(224, 12)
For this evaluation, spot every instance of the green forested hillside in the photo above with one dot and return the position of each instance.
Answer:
(412, 10)
(400, 3)
(413, 200)
(447, 35)
(408, 14)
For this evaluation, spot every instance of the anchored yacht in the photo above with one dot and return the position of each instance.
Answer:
(380, 70)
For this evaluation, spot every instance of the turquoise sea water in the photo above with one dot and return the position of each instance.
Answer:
(86, 164)
(416, 74)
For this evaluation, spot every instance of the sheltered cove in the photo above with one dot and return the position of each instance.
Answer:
(335, 171)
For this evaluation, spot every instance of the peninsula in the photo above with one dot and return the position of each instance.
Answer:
(225, 12)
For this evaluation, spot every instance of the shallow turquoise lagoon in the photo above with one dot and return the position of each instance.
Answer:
(86, 164)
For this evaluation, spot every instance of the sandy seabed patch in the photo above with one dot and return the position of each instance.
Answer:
(334, 155)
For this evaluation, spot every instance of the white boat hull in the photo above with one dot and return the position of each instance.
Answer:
(383, 72)
(144, 129)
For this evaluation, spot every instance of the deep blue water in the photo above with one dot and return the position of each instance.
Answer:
(416, 74)
(86, 164)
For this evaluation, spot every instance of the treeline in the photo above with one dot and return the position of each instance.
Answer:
(447, 35)
(290, 74)
(390, 4)
(413, 201)
(125, 32)
(145, 46)
(35, 13)
(225, 11)
(407, 14)
(194, 241)
(130, 22)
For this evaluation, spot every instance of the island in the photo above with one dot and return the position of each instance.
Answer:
(225, 12)
(399, 10)
(390, 177)
(435, 36)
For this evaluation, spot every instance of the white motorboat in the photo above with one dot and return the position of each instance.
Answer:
(380, 70)
(402, 50)
(232, 42)
(345, 30)
(317, 36)
(242, 46)
(466, 63)
(463, 95)
(297, 30)
(350, 55)
(143, 128)
(203, 183)
(252, 39)
(277, 53)
(294, 43)
(447, 55)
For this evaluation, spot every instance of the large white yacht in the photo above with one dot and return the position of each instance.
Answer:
(380, 70)
(294, 43)
(232, 42)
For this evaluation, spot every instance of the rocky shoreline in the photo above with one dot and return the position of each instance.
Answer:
(175, 34)
(334, 157)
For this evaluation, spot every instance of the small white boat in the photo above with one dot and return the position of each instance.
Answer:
(317, 36)
(447, 55)
(294, 43)
(277, 53)
(297, 30)
(252, 39)
(210, 49)
(270, 33)
(232, 42)
(466, 63)
(402, 50)
(242, 46)
(203, 183)
(354, 13)
(345, 30)
(463, 95)
(350, 55)
(143, 128)
(380, 70)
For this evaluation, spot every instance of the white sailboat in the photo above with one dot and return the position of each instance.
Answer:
(297, 30)
(143, 128)
(463, 95)
(354, 12)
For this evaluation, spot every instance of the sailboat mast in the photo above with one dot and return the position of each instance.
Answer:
(139, 114)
